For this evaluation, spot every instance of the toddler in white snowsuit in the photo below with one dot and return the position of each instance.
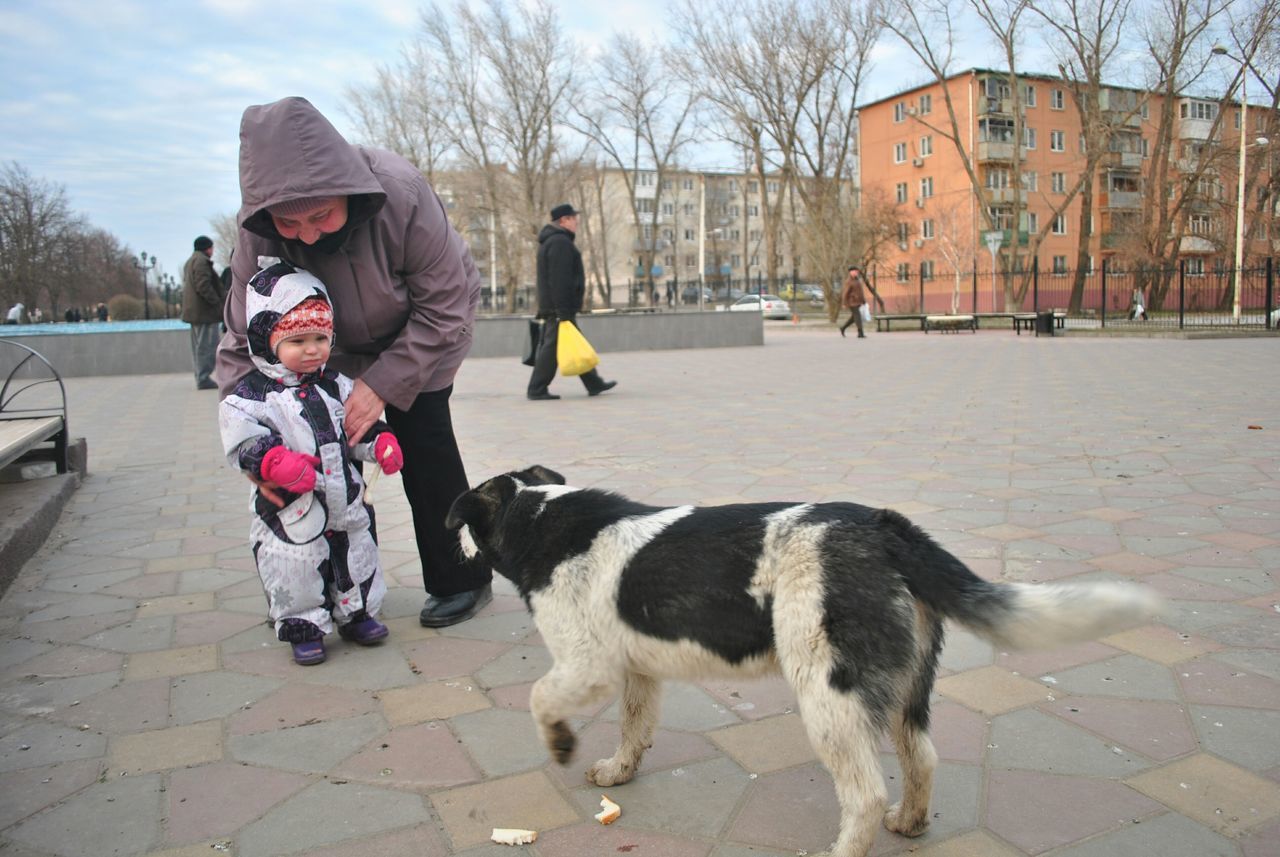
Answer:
(282, 425)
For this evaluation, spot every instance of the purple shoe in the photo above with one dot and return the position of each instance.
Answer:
(367, 632)
(308, 653)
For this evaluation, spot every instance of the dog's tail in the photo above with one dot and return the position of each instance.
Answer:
(1017, 615)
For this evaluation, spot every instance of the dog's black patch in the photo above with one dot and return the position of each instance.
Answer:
(658, 596)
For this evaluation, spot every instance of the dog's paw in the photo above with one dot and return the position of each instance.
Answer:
(608, 772)
(562, 742)
(913, 825)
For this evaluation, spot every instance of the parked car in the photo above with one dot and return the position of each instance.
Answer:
(689, 295)
(770, 306)
(805, 292)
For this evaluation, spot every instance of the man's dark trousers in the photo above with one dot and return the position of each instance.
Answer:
(544, 362)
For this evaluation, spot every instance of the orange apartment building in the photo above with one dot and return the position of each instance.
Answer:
(908, 159)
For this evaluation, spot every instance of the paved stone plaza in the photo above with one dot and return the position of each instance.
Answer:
(146, 709)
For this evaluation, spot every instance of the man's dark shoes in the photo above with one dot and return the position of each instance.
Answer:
(207, 385)
(452, 609)
(543, 397)
(603, 388)
(367, 632)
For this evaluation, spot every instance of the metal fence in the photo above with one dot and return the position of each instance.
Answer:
(1179, 296)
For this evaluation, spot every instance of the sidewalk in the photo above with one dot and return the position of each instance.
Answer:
(146, 708)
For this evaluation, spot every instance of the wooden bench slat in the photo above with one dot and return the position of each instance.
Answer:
(20, 435)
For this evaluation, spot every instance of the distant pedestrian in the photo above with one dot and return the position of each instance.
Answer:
(282, 425)
(1137, 305)
(103, 313)
(562, 285)
(15, 314)
(853, 298)
(202, 299)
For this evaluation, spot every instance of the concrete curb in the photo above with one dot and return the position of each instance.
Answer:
(29, 510)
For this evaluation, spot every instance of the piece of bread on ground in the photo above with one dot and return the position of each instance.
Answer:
(609, 811)
(513, 836)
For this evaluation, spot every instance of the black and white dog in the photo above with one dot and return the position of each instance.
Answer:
(844, 600)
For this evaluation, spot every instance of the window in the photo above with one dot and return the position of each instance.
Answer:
(669, 261)
(690, 209)
(1195, 266)
(771, 187)
(926, 187)
(1146, 148)
(899, 153)
(926, 229)
(688, 235)
(1200, 224)
(735, 261)
(690, 260)
(926, 104)
(753, 186)
(1059, 264)
(645, 179)
(1058, 182)
(902, 191)
(754, 235)
(666, 184)
(904, 232)
(1059, 225)
(669, 208)
(1198, 110)
(1057, 141)
(669, 234)
(735, 234)
(995, 130)
(926, 146)
(997, 178)
(753, 210)
(1001, 217)
(1029, 96)
(1030, 182)
(899, 112)
(687, 184)
(1144, 111)
(755, 261)
(1057, 100)
(926, 269)
(904, 272)
(733, 211)
(1033, 222)
(1029, 137)
(644, 206)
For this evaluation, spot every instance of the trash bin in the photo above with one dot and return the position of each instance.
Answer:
(1044, 323)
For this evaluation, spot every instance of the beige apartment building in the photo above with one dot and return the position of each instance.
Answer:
(909, 158)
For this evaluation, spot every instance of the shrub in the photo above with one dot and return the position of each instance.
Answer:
(124, 308)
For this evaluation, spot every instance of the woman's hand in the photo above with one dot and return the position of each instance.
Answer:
(364, 407)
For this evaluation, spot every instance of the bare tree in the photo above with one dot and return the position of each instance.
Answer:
(1086, 36)
(505, 81)
(640, 117)
(400, 110)
(35, 224)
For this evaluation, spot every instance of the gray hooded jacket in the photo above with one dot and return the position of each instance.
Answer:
(402, 282)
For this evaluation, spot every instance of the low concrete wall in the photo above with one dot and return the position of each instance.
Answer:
(154, 352)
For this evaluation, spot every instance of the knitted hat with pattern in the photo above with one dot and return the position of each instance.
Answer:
(291, 207)
(311, 316)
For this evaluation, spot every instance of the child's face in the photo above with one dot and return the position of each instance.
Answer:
(304, 354)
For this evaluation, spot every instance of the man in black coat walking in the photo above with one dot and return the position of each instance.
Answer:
(562, 285)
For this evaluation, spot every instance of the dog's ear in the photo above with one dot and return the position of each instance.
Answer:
(540, 475)
(479, 507)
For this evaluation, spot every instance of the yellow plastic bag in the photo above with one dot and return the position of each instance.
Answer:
(574, 354)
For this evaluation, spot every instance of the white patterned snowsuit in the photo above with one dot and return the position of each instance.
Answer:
(318, 556)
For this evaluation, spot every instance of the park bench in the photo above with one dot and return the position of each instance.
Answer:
(33, 428)
(950, 323)
(1024, 321)
(885, 322)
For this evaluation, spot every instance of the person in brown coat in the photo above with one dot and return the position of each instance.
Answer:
(852, 298)
(202, 299)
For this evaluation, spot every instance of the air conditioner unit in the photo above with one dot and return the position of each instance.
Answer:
(902, 245)
(919, 242)
(917, 162)
(920, 202)
(911, 111)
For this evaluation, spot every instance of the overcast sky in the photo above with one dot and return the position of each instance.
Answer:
(134, 105)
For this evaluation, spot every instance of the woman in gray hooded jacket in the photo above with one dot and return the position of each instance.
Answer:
(404, 290)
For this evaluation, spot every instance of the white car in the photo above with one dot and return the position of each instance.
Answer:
(770, 306)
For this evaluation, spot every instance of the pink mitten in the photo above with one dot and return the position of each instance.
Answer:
(292, 471)
(386, 451)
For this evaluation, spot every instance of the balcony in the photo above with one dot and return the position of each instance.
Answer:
(1123, 160)
(1195, 129)
(1024, 237)
(988, 105)
(1122, 199)
(1197, 244)
(991, 150)
(1002, 196)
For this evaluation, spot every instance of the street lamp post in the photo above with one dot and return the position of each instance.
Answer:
(141, 264)
(1221, 51)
